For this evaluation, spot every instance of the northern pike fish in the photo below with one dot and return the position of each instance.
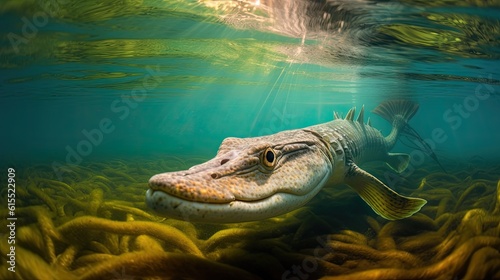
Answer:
(261, 177)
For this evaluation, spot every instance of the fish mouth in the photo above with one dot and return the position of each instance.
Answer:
(168, 205)
(198, 188)
(232, 210)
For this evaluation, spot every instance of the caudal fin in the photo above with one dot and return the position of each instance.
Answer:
(396, 110)
(392, 110)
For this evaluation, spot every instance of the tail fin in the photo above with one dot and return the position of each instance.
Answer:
(398, 113)
(391, 110)
(396, 110)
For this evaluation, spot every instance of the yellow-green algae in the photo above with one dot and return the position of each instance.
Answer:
(94, 225)
(458, 34)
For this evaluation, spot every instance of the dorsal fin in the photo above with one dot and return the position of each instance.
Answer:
(336, 115)
(369, 122)
(361, 115)
(350, 114)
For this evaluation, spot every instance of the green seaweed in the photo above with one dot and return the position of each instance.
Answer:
(96, 228)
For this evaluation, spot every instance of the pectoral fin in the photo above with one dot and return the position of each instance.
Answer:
(398, 161)
(384, 201)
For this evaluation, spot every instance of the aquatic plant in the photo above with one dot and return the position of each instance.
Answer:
(94, 225)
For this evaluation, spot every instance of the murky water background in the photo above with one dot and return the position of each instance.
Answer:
(97, 97)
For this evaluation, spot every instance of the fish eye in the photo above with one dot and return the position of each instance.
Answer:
(268, 157)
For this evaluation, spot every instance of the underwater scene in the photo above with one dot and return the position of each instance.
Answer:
(263, 139)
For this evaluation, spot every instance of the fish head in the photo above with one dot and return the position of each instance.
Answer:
(249, 179)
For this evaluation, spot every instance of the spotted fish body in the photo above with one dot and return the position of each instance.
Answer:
(261, 177)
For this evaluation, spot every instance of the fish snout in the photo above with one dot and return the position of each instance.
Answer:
(192, 187)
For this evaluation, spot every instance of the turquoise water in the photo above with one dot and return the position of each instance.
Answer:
(96, 97)
(202, 75)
